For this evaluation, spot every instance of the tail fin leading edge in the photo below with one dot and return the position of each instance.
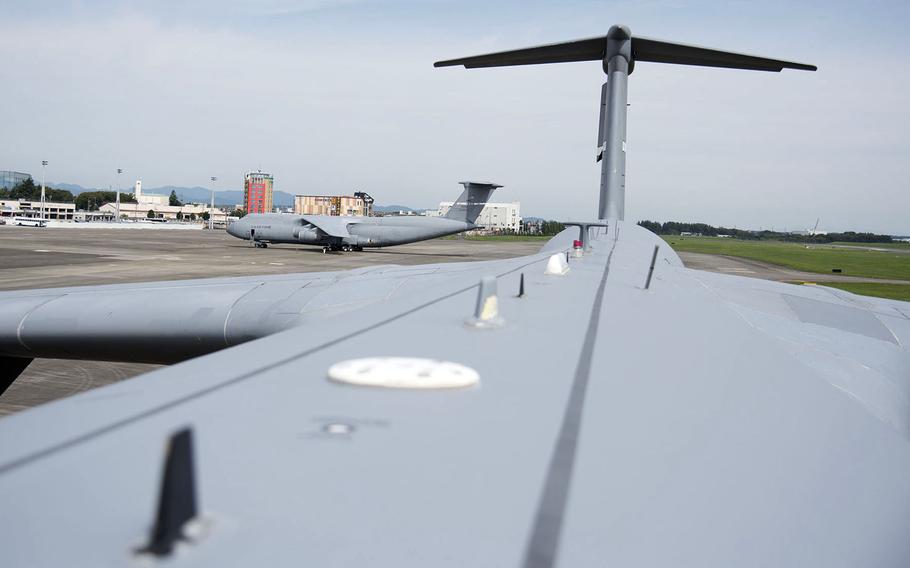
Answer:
(471, 201)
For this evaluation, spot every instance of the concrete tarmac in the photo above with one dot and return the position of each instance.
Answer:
(50, 257)
(47, 258)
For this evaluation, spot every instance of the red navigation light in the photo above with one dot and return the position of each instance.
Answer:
(576, 244)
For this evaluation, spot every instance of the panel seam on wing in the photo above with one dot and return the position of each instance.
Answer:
(227, 317)
(26, 316)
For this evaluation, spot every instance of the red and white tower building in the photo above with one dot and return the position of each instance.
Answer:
(257, 192)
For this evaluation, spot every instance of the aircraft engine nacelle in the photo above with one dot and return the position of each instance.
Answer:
(308, 235)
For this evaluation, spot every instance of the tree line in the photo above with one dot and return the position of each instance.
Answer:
(550, 228)
(87, 200)
(92, 200)
(675, 228)
(28, 191)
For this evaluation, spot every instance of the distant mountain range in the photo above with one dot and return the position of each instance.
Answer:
(226, 197)
(390, 208)
(188, 194)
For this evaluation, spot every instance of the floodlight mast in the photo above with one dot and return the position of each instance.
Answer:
(119, 185)
(43, 180)
(212, 208)
(619, 51)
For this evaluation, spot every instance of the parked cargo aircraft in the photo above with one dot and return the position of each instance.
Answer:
(335, 232)
(615, 410)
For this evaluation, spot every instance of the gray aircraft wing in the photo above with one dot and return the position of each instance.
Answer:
(155, 322)
(707, 420)
(333, 226)
(167, 322)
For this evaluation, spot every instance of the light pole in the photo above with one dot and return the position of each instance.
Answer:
(212, 209)
(43, 179)
(119, 183)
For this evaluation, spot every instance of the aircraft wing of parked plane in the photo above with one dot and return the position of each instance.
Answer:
(331, 225)
(610, 409)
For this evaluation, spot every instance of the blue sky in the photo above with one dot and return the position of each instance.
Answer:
(337, 96)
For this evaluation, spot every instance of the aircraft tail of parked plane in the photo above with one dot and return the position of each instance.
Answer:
(471, 202)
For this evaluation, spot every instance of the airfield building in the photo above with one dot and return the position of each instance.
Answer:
(495, 217)
(161, 208)
(188, 211)
(52, 210)
(149, 198)
(257, 192)
(344, 205)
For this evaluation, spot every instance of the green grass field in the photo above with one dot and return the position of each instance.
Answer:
(896, 246)
(810, 258)
(891, 291)
(506, 238)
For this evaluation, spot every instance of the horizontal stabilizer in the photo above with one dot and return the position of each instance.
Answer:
(643, 49)
(591, 49)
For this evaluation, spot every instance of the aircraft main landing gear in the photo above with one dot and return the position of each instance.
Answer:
(341, 248)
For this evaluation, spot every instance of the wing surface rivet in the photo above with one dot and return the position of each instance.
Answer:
(338, 429)
(403, 373)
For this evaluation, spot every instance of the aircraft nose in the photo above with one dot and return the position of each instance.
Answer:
(232, 230)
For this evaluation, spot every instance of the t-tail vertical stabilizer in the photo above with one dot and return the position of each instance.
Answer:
(471, 202)
(618, 51)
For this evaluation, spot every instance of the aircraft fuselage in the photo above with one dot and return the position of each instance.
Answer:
(361, 231)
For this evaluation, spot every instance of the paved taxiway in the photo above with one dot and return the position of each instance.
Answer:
(45, 258)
